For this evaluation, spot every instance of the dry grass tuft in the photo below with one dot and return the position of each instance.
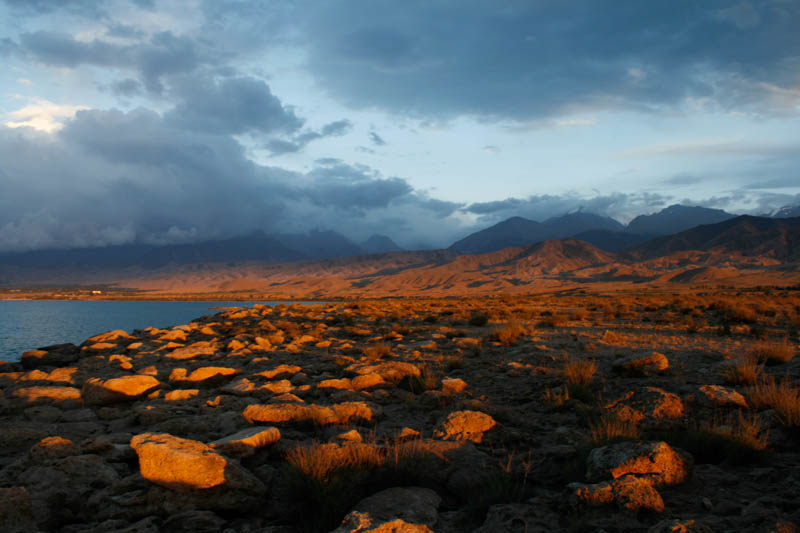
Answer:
(507, 335)
(556, 398)
(610, 428)
(783, 397)
(774, 353)
(579, 372)
(745, 371)
(377, 351)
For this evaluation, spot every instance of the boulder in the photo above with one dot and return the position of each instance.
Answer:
(647, 365)
(98, 391)
(464, 425)
(656, 461)
(183, 464)
(280, 370)
(396, 510)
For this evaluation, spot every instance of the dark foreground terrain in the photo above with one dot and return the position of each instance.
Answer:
(637, 412)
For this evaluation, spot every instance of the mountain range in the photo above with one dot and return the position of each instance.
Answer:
(574, 248)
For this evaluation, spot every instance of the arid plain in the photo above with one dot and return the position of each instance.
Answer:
(636, 411)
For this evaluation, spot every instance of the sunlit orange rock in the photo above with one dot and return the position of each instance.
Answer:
(341, 413)
(178, 463)
(464, 425)
(395, 510)
(453, 385)
(202, 376)
(279, 371)
(245, 442)
(52, 447)
(193, 350)
(723, 396)
(628, 492)
(57, 355)
(53, 394)
(181, 394)
(99, 391)
(109, 336)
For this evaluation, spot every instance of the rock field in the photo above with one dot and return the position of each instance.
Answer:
(579, 413)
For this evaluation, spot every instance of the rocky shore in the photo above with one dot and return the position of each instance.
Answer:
(490, 415)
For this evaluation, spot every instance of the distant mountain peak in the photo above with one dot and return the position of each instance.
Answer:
(676, 218)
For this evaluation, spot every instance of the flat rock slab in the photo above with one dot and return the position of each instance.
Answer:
(340, 413)
(126, 388)
(657, 461)
(464, 425)
(399, 510)
(182, 464)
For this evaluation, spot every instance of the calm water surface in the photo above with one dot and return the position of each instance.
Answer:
(29, 324)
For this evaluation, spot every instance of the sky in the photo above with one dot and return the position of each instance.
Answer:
(166, 121)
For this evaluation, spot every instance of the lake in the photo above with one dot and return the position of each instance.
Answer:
(29, 324)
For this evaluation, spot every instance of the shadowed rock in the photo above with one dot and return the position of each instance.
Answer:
(723, 396)
(56, 355)
(657, 461)
(647, 403)
(401, 509)
(16, 511)
(648, 365)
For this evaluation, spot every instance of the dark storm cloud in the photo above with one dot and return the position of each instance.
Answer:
(112, 177)
(532, 60)
(232, 105)
(164, 53)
